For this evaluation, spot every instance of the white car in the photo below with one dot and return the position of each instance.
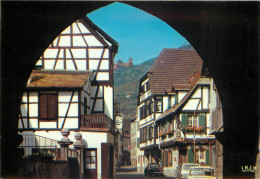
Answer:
(184, 169)
(201, 172)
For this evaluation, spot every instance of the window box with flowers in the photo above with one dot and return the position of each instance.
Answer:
(193, 128)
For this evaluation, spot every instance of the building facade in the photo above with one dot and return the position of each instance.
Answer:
(72, 87)
(175, 107)
(133, 139)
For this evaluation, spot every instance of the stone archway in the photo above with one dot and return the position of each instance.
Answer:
(224, 35)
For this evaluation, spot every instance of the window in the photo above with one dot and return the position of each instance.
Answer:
(48, 105)
(200, 155)
(158, 102)
(90, 159)
(192, 122)
(169, 102)
(170, 158)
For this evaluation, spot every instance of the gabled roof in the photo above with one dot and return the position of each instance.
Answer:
(57, 79)
(105, 38)
(173, 70)
(179, 105)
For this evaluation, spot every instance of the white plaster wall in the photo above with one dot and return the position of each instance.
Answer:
(94, 140)
(165, 103)
(24, 110)
(50, 53)
(33, 110)
(65, 41)
(197, 93)
(33, 123)
(33, 97)
(205, 97)
(92, 41)
(181, 95)
(93, 64)
(78, 41)
(71, 123)
(70, 65)
(95, 53)
(104, 65)
(99, 105)
(191, 104)
(79, 53)
(60, 65)
(81, 64)
(20, 125)
(47, 125)
(103, 76)
(49, 64)
(108, 101)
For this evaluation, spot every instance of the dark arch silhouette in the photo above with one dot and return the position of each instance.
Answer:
(223, 33)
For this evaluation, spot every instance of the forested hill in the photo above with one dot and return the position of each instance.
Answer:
(127, 82)
(125, 75)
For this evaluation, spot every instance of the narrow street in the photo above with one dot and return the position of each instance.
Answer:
(129, 173)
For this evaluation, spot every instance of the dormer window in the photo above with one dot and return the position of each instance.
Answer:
(158, 104)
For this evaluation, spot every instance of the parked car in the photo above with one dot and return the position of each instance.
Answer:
(201, 172)
(184, 169)
(153, 168)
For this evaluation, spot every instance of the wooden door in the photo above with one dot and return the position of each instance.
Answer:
(90, 163)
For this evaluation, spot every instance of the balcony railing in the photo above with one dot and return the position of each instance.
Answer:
(96, 121)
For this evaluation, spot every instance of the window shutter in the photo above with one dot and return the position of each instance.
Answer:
(138, 142)
(184, 120)
(162, 157)
(176, 99)
(148, 131)
(190, 156)
(207, 156)
(43, 106)
(166, 158)
(52, 106)
(156, 132)
(169, 102)
(142, 135)
(202, 121)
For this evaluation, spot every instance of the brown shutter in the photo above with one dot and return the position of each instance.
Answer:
(43, 106)
(52, 106)
(156, 131)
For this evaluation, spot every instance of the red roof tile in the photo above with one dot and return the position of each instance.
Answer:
(57, 79)
(174, 69)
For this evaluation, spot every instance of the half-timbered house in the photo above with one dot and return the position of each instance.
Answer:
(72, 87)
(174, 106)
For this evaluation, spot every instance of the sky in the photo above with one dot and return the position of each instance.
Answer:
(141, 36)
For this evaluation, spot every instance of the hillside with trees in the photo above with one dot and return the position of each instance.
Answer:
(127, 85)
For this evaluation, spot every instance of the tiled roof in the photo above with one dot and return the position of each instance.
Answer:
(173, 70)
(182, 102)
(57, 79)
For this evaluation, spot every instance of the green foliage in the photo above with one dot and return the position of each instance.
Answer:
(40, 154)
(126, 86)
